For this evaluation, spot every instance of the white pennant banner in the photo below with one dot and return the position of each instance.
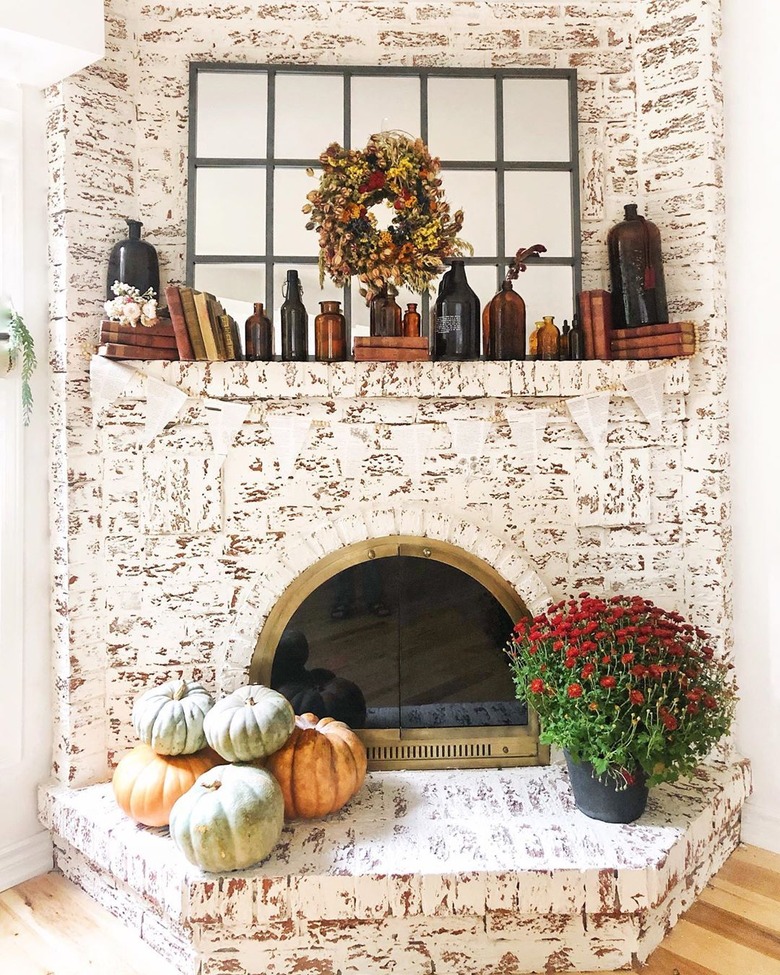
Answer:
(224, 421)
(413, 442)
(647, 391)
(591, 414)
(527, 430)
(352, 445)
(468, 437)
(163, 403)
(289, 435)
(108, 379)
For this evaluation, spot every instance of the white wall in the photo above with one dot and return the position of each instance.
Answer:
(752, 81)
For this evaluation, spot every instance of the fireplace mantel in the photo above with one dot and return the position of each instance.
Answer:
(446, 380)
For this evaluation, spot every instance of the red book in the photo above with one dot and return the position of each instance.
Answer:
(655, 331)
(162, 342)
(179, 323)
(586, 322)
(601, 317)
(679, 348)
(648, 342)
(112, 350)
(161, 327)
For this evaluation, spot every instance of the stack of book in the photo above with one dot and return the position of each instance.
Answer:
(119, 341)
(401, 348)
(202, 328)
(654, 341)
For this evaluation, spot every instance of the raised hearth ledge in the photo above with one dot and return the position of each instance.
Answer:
(305, 380)
(466, 872)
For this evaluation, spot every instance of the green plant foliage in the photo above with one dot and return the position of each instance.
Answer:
(22, 346)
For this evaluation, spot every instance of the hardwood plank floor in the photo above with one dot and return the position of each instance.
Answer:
(50, 927)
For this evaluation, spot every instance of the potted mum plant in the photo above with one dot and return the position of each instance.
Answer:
(633, 694)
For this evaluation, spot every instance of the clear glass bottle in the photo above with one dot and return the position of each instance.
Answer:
(503, 325)
(412, 320)
(258, 336)
(636, 272)
(330, 333)
(564, 345)
(295, 321)
(457, 318)
(576, 341)
(385, 313)
(548, 341)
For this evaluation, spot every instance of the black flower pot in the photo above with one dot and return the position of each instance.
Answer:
(602, 797)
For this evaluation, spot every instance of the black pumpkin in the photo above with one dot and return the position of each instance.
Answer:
(304, 697)
(290, 659)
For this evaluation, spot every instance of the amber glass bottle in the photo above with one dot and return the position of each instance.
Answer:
(411, 322)
(564, 345)
(385, 313)
(576, 341)
(330, 333)
(503, 325)
(457, 317)
(533, 341)
(548, 340)
(258, 336)
(295, 321)
(636, 272)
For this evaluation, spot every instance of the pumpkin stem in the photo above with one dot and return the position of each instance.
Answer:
(180, 691)
(212, 785)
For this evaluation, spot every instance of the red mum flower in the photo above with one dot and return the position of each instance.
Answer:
(587, 670)
(608, 681)
(636, 697)
(536, 686)
(574, 690)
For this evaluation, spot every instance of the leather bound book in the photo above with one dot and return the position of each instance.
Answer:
(586, 322)
(183, 343)
(114, 350)
(206, 326)
(669, 351)
(687, 329)
(193, 325)
(601, 322)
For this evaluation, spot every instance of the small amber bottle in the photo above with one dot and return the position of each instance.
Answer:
(411, 323)
(533, 341)
(330, 333)
(564, 346)
(576, 341)
(549, 340)
(258, 336)
(385, 313)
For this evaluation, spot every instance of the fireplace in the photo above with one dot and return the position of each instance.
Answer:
(403, 638)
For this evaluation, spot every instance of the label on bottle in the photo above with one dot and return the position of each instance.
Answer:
(447, 323)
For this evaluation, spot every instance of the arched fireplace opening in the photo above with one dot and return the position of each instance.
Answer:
(404, 638)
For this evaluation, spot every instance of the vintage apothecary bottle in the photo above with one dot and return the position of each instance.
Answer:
(411, 321)
(295, 321)
(385, 313)
(503, 325)
(533, 341)
(330, 333)
(457, 318)
(576, 341)
(133, 261)
(564, 344)
(548, 340)
(636, 272)
(258, 336)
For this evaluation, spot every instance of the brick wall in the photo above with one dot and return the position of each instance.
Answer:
(157, 548)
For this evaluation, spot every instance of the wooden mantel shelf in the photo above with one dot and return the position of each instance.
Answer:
(440, 380)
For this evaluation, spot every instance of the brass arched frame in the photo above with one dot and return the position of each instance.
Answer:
(413, 748)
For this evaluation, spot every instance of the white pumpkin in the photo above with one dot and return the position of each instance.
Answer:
(250, 723)
(169, 718)
(231, 818)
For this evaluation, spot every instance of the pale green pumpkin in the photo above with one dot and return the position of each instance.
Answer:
(231, 818)
(169, 718)
(250, 723)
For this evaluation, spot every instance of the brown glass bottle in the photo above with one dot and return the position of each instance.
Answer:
(564, 344)
(503, 325)
(385, 313)
(576, 341)
(411, 322)
(295, 321)
(533, 341)
(548, 341)
(330, 333)
(636, 272)
(457, 318)
(258, 336)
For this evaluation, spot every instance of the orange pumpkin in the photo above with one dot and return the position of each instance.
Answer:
(321, 766)
(146, 784)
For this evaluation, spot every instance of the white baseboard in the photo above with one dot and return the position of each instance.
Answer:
(761, 827)
(25, 859)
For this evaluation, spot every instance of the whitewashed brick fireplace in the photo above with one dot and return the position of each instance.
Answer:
(168, 558)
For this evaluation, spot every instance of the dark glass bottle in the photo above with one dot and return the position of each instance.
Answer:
(295, 321)
(564, 344)
(385, 314)
(576, 341)
(258, 336)
(636, 271)
(330, 333)
(457, 318)
(503, 325)
(412, 320)
(133, 261)
(548, 340)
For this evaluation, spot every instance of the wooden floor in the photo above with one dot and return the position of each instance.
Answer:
(50, 927)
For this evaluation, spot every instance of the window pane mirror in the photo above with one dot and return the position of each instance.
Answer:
(507, 140)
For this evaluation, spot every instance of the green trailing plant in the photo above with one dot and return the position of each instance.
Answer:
(22, 346)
